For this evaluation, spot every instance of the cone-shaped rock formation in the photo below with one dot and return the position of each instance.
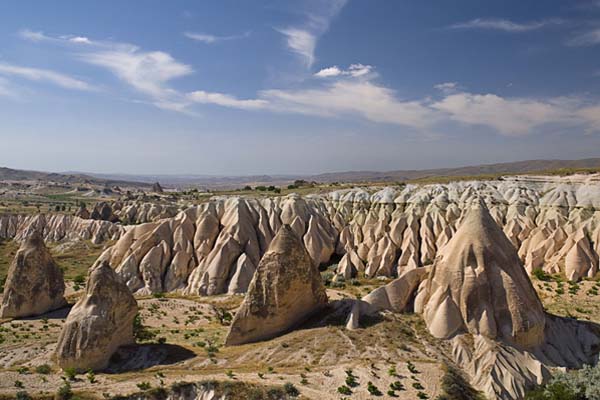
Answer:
(285, 290)
(478, 285)
(34, 284)
(100, 322)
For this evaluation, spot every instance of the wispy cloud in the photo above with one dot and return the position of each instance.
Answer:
(302, 42)
(447, 87)
(302, 39)
(351, 97)
(210, 39)
(506, 25)
(589, 38)
(37, 74)
(510, 117)
(226, 100)
(148, 72)
(82, 42)
(355, 70)
(339, 98)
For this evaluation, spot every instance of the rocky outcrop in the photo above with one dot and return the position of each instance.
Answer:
(157, 188)
(285, 290)
(58, 227)
(99, 323)
(382, 233)
(34, 284)
(479, 286)
(479, 297)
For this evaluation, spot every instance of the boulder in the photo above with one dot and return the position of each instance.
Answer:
(34, 284)
(99, 323)
(285, 291)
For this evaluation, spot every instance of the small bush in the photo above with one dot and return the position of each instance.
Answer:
(345, 390)
(291, 390)
(411, 367)
(371, 388)
(539, 274)
(144, 386)
(22, 395)
(64, 392)
(43, 369)
(70, 373)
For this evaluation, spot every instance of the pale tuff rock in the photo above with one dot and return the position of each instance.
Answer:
(244, 271)
(34, 283)
(499, 371)
(537, 215)
(350, 265)
(479, 297)
(473, 271)
(397, 295)
(58, 227)
(285, 290)
(99, 323)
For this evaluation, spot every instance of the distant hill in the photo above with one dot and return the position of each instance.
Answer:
(9, 174)
(233, 182)
(518, 167)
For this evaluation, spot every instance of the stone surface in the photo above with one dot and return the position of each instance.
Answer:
(99, 323)
(377, 233)
(478, 285)
(34, 283)
(286, 289)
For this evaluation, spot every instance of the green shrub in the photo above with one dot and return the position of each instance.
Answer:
(371, 388)
(291, 390)
(43, 369)
(64, 392)
(140, 332)
(583, 384)
(22, 395)
(345, 390)
(144, 386)
(70, 373)
(539, 274)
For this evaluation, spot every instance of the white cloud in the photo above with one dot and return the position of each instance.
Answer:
(329, 72)
(32, 35)
(301, 42)
(147, 72)
(80, 39)
(505, 25)
(225, 100)
(447, 87)
(355, 70)
(510, 117)
(36, 74)
(590, 38)
(351, 97)
(210, 39)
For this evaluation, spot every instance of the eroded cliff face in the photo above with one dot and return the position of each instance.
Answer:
(58, 227)
(213, 248)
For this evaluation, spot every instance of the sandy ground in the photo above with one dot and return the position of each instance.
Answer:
(316, 358)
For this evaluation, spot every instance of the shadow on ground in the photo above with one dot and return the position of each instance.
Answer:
(142, 356)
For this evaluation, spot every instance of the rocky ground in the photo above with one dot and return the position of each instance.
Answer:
(187, 345)
(184, 269)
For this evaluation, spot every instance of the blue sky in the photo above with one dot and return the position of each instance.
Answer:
(307, 86)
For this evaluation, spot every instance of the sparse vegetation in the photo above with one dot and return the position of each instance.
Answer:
(455, 386)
